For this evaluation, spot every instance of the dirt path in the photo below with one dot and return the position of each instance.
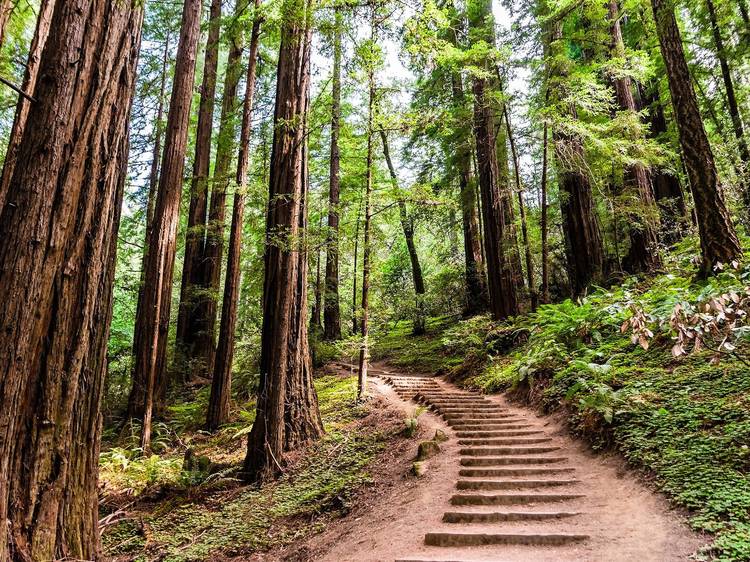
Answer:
(509, 486)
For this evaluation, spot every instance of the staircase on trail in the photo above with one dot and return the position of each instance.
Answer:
(514, 487)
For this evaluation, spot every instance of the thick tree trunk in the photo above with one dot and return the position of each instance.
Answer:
(287, 411)
(332, 311)
(522, 211)
(29, 83)
(734, 111)
(583, 239)
(408, 227)
(497, 244)
(719, 243)
(152, 325)
(204, 346)
(221, 386)
(544, 222)
(644, 246)
(56, 275)
(188, 324)
(364, 352)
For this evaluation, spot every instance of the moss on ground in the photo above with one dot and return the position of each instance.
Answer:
(191, 523)
(685, 420)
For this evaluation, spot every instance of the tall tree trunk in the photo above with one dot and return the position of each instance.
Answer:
(745, 15)
(500, 274)
(734, 111)
(355, 322)
(317, 322)
(56, 275)
(332, 311)
(188, 324)
(510, 235)
(408, 228)
(544, 222)
(287, 411)
(364, 352)
(719, 243)
(583, 239)
(152, 326)
(644, 245)
(6, 9)
(221, 386)
(522, 212)
(29, 83)
(204, 348)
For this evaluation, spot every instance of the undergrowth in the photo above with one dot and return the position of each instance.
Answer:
(189, 521)
(684, 419)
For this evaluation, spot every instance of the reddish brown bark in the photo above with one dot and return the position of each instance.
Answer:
(221, 386)
(719, 242)
(29, 83)
(6, 9)
(332, 311)
(152, 325)
(644, 246)
(287, 412)
(59, 232)
(188, 324)
(544, 222)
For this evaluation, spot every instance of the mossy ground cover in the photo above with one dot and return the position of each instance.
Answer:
(177, 519)
(685, 420)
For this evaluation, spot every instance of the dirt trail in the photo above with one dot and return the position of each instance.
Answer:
(509, 486)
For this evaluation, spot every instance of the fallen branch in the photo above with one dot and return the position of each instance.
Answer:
(12, 86)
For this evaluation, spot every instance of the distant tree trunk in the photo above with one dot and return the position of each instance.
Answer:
(719, 243)
(204, 348)
(287, 411)
(544, 222)
(666, 185)
(408, 227)
(500, 275)
(221, 386)
(152, 326)
(364, 353)
(745, 15)
(332, 311)
(29, 83)
(734, 111)
(6, 9)
(317, 322)
(644, 245)
(56, 274)
(355, 323)
(188, 323)
(522, 211)
(583, 239)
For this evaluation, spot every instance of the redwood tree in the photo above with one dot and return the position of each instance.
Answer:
(221, 385)
(152, 325)
(719, 242)
(56, 275)
(332, 310)
(287, 411)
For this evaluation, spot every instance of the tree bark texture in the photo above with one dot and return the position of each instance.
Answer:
(221, 385)
(29, 83)
(287, 411)
(544, 221)
(644, 245)
(59, 233)
(188, 324)
(332, 310)
(719, 242)
(152, 326)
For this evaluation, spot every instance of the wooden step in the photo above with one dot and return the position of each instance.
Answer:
(504, 441)
(482, 539)
(512, 484)
(517, 471)
(504, 516)
(503, 461)
(510, 499)
(473, 415)
(461, 434)
(494, 451)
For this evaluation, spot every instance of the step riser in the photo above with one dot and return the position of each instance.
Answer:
(493, 423)
(506, 472)
(474, 415)
(496, 434)
(496, 442)
(511, 499)
(504, 517)
(504, 461)
(490, 485)
(484, 539)
(494, 451)
(491, 427)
